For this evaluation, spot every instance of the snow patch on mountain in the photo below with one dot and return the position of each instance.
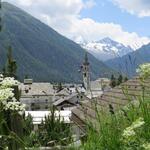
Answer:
(105, 49)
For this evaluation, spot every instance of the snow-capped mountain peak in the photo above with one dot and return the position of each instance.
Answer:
(106, 49)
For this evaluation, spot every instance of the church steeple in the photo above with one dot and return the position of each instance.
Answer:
(85, 72)
(86, 61)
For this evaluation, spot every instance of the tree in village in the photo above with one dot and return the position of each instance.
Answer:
(125, 79)
(117, 81)
(11, 65)
(113, 81)
(54, 130)
(120, 80)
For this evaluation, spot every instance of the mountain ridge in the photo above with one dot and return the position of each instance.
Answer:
(106, 49)
(129, 63)
(41, 52)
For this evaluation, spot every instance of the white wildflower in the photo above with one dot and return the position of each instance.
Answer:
(146, 146)
(128, 135)
(128, 132)
(144, 70)
(21, 113)
(13, 99)
(6, 94)
(9, 82)
(138, 123)
(15, 106)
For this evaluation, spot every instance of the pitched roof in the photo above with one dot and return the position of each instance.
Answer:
(67, 98)
(36, 89)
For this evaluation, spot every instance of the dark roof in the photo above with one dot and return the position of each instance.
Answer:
(67, 98)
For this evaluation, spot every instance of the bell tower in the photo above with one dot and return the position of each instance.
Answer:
(86, 73)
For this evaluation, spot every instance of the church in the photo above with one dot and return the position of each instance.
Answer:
(93, 88)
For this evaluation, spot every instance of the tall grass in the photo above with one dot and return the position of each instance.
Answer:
(128, 129)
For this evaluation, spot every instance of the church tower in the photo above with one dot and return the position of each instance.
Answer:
(86, 73)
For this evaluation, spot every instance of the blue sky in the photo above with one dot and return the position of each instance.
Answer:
(106, 11)
(125, 21)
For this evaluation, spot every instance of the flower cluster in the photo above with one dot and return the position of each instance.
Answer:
(144, 70)
(6, 94)
(138, 123)
(7, 98)
(9, 82)
(15, 106)
(146, 146)
(129, 132)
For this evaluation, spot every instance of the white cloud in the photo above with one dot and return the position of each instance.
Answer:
(89, 4)
(50, 7)
(64, 17)
(141, 8)
(90, 30)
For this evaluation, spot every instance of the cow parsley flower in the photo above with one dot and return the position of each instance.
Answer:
(146, 146)
(15, 106)
(138, 123)
(144, 70)
(129, 133)
(6, 94)
(9, 82)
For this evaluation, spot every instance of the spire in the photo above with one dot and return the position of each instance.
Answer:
(86, 73)
(86, 61)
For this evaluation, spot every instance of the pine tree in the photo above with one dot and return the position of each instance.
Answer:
(54, 129)
(113, 81)
(11, 66)
(125, 79)
(120, 80)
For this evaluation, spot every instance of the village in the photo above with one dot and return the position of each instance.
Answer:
(74, 75)
(40, 97)
(72, 105)
(75, 103)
